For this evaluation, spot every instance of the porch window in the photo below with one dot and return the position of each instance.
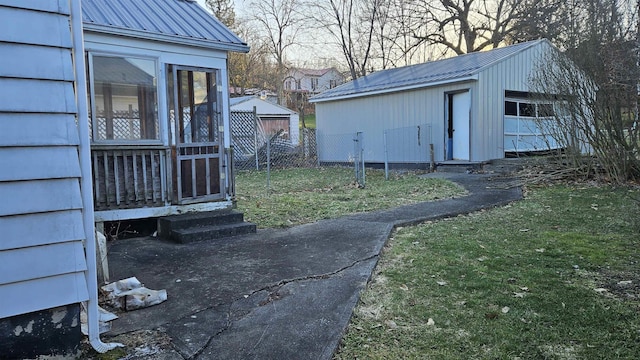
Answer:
(123, 95)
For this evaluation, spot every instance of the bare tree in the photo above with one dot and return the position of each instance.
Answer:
(223, 11)
(352, 26)
(280, 22)
(597, 83)
(465, 26)
(253, 69)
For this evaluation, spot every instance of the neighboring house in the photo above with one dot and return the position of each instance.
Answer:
(159, 112)
(159, 128)
(274, 118)
(474, 107)
(301, 84)
(312, 81)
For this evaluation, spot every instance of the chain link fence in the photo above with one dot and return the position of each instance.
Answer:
(258, 149)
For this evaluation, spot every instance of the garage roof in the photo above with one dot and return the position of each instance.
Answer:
(176, 21)
(455, 69)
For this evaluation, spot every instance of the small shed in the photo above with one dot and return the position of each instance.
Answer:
(273, 117)
(158, 107)
(474, 107)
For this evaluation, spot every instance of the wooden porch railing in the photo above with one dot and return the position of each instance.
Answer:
(129, 177)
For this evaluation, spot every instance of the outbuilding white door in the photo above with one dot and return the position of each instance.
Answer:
(461, 108)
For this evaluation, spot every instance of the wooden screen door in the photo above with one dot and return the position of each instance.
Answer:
(198, 134)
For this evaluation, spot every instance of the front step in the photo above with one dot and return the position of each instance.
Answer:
(201, 226)
(453, 166)
(212, 232)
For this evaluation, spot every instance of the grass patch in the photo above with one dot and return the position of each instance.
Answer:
(309, 121)
(526, 281)
(299, 196)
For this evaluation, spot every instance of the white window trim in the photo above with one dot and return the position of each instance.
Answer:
(161, 88)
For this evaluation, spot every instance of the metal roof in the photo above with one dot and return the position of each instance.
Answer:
(175, 21)
(459, 68)
(238, 100)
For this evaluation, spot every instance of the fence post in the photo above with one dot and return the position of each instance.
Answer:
(268, 164)
(255, 136)
(356, 159)
(361, 136)
(386, 157)
(432, 164)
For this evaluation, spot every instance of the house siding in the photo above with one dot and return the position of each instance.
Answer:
(42, 261)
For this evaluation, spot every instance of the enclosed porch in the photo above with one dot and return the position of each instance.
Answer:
(151, 161)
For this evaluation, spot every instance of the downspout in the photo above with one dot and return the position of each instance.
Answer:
(86, 186)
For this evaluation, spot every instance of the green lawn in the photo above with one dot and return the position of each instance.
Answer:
(309, 121)
(298, 196)
(555, 276)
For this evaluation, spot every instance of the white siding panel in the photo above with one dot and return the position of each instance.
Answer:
(44, 27)
(31, 163)
(59, 6)
(44, 293)
(36, 96)
(375, 114)
(19, 129)
(41, 261)
(25, 61)
(24, 197)
(20, 231)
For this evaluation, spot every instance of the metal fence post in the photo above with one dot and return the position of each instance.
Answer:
(361, 138)
(268, 164)
(255, 136)
(386, 157)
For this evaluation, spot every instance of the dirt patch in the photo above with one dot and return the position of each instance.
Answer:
(142, 344)
(623, 285)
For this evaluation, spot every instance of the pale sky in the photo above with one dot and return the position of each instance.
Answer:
(300, 55)
(239, 5)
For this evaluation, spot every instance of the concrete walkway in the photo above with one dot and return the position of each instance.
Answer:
(277, 294)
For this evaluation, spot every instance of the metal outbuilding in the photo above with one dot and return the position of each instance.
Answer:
(474, 107)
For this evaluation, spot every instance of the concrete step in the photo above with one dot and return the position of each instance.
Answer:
(202, 233)
(459, 167)
(191, 220)
(204, 226)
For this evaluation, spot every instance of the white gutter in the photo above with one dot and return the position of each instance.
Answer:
(86, 185)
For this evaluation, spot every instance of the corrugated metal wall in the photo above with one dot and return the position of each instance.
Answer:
(42, 259)
(375, 114)
(511, 74)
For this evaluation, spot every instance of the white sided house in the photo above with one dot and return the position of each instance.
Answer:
(47, 248)
(471, 108)
(159, 109)
(273, 117)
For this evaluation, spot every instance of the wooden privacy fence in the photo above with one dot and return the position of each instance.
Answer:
(126, 178)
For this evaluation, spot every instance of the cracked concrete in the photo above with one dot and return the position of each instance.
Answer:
(279, 293)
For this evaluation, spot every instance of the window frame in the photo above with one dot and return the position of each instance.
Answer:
(159, 86)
